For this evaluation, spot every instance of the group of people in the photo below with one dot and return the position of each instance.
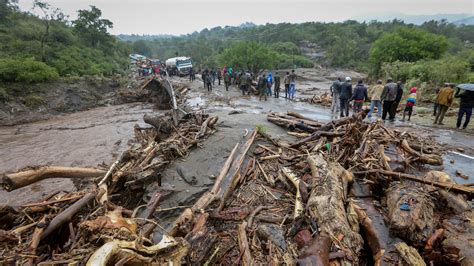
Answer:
(387, 99)
(444, 100)
(244, 80)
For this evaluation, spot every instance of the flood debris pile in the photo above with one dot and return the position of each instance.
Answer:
(105, 222)
(342, 194)
(324, 99)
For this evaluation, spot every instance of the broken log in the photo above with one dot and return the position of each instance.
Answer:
(376, 245)
(244, 244)
(67, 214)
(24, 178)
(400, 176)
(317, 252)
(454, 201)
(410, 212)
(326, 204)
(432, 159)
(229, 182)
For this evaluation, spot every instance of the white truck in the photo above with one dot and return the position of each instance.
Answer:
(179, 65)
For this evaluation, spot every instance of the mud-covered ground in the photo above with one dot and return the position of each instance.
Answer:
(35, 102)
(97, 136)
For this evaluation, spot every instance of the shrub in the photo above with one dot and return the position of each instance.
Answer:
(4, 95)
(26, 70)
(34, 101)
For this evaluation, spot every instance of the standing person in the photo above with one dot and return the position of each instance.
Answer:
(444, 100)
(219, 77)
(269, 84)
(226, 80)
(410, 103)
(359, 96)
(465, 106)
(346, 94)
(276, 78)
(204, 77)
(388, 96)
(436, 105)
(191, 73)
(398, 98)
(335, 90)
(292, 84)
(375, 93)
(262, 83)
(214, 76)
(209, 82)
(286, 81)
(243, 83)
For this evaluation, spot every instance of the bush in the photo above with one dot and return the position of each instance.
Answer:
(4, 95)
(26, 70)
(34, 101)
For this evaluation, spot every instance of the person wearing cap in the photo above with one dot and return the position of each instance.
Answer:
(335, 90)
(410, 103)
(389, 94)
(359, 96)
(375, 92)
(465, 106)
(346, 94)
(444, 100)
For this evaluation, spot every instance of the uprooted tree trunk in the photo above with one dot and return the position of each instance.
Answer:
(410, 212)
(24, 178)
(326, 204)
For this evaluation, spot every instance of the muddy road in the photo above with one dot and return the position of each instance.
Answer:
(98, 136)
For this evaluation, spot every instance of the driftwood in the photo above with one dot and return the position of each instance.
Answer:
(400, 176)
(317, 252)
(244, 244)
(410, 212)
(433, 159)
(409, 254)
(455, 201)
(67, 214)
(327, 205)
(377, 246)
(24, 178)
(229, 182)
(329, 126)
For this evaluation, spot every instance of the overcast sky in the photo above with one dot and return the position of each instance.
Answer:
(185, 16)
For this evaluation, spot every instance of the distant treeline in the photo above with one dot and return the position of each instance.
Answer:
(370, 47)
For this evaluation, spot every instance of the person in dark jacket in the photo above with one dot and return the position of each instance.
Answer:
(389, 94)
(204, 75)
(276, 90)
(465, 106)
(262, 87)
(398, 98)
(346, 94)
(359, 96)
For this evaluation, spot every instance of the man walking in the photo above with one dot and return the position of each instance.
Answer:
(388, 96)
(346, 94)
(444, 100)
(292, 84)
(359, 96)
(465, 106)
(204, 77)
(219, 77)
(335, 90)
(276, 78)
(286, 81)
(226, 80)
(375, 93)
(269, 84)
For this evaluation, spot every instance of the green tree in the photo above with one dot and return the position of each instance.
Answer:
(6, 8)
(48, 15)
(90, 26)
(141, 47)
(406, 45)
(249, 55)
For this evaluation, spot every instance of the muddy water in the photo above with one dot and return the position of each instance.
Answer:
(84, 139)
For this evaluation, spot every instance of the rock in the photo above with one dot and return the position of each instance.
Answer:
(273, 233)
(303, 238)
